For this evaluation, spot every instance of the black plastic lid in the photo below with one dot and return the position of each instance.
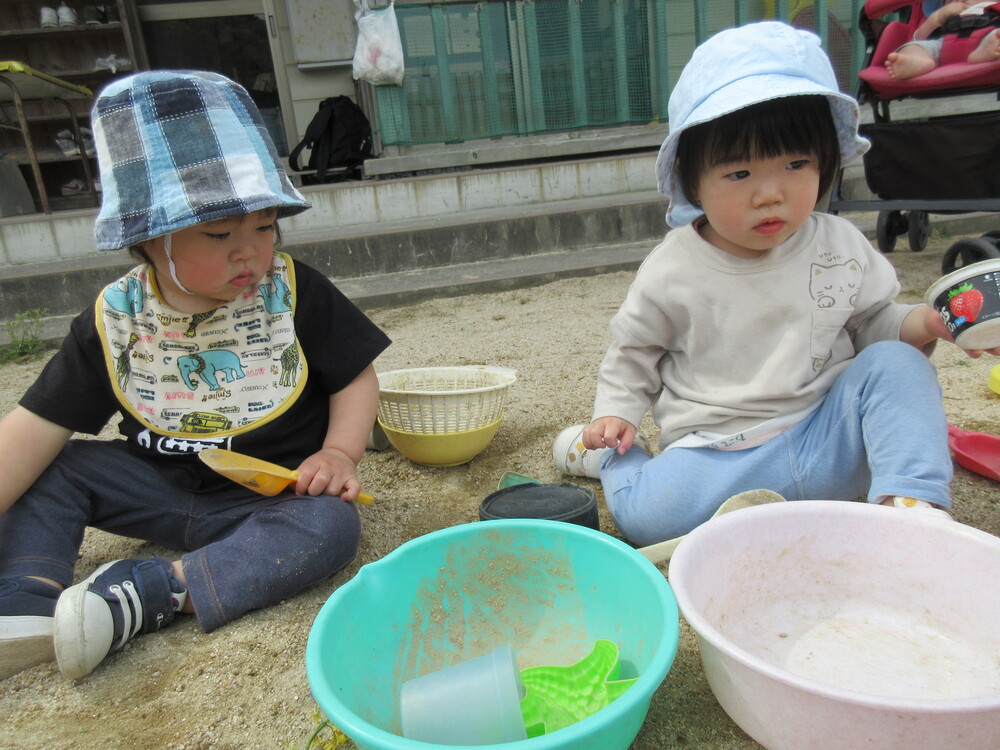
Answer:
(553, 502)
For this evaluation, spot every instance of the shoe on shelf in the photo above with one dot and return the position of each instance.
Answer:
(93, 15)
(49, 19)
(68, 16)
(111, 14)
(120, 600)
(113, 63)
(27, 606)
(76, 186)
(571, 456)
(67, 144)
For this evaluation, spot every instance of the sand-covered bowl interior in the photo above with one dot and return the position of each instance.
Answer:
(547, 588)
(847, 625)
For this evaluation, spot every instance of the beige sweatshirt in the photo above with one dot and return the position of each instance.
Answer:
(720, 344)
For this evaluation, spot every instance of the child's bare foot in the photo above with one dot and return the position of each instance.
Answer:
(987, 51)
(909, 64)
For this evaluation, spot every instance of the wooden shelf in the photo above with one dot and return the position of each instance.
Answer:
(103, 28)
(69, 54)
(54, 117)
(45, 154)
(70, 202)
(92, 72)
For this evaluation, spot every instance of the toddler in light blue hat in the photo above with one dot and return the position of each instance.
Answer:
(741, 67)
(215, 340)
(762, 335)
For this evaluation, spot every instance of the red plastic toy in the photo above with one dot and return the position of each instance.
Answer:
(976, 451)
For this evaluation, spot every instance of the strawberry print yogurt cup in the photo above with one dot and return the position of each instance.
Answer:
(968, 301)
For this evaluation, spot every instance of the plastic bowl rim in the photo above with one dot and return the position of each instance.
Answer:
(724, 645)
(509, 375)
(484, 428)
(991, 265)
(641, 691)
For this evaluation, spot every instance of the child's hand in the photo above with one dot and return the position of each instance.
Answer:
(329, 472)
(609, 432)
(937, 327)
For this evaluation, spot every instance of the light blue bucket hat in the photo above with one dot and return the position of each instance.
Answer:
(740, 67)
(179, 148)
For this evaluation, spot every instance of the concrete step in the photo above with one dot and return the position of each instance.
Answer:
(393, 261)
(406, 264)
(409, 287)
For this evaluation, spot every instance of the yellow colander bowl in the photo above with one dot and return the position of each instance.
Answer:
(442, 449)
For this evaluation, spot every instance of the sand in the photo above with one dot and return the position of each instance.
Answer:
(245, 685)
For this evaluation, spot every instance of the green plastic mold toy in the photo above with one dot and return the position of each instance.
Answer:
(555, 697)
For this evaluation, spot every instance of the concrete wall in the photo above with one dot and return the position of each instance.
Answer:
(366, 207)
(373, 229)
(307, 85)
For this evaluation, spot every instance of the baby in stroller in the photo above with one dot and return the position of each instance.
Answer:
(960, 31)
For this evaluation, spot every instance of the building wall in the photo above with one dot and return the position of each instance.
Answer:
(312, 75)
(311, 79)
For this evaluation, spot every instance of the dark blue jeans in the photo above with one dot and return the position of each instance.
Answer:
(244, 551)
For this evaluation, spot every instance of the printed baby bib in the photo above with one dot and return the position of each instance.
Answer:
(221, 372)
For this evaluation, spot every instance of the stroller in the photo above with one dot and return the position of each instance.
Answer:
(941, 163)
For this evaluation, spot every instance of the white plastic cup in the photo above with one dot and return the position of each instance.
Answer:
(377, 440)
(974, 322)
(474, 702)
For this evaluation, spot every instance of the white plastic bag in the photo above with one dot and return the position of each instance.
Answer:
(378, 58)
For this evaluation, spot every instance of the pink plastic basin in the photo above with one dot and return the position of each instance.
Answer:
(847, 625)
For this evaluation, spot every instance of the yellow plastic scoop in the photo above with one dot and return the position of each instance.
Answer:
(260, 476)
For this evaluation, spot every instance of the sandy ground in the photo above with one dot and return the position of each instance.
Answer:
(245, 685)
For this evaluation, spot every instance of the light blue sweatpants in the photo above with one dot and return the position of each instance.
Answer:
(881, 430)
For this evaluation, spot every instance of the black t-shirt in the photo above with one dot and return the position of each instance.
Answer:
(338, 342)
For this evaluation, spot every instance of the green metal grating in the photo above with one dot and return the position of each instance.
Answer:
(491, 69)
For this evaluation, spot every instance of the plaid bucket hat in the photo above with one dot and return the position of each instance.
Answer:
(179, 148)
(740, 67)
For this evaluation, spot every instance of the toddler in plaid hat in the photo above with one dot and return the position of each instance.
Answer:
(215, 340)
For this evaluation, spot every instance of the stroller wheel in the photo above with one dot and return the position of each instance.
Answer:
(888, 227)
(967, 251)
(918, 231)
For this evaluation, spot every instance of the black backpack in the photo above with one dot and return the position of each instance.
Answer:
(338, 136)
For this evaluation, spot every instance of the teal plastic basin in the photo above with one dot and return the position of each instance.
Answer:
(548, 588)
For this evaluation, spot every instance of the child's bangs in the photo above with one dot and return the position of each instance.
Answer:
(789, 125)
(767, 130)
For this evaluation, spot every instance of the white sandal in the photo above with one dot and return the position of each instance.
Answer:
(571, 456)
(911, 503)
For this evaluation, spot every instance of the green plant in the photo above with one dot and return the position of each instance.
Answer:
(23, 337)
(326, 736)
